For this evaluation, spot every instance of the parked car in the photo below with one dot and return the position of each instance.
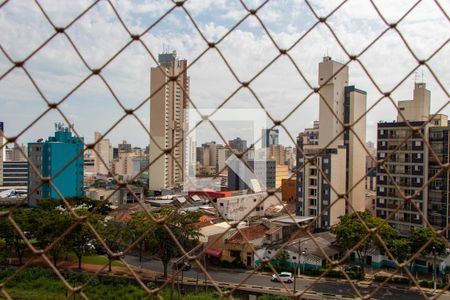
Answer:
(354, 268)
(182, 265)
(284, 276)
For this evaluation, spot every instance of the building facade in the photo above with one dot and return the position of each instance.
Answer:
(238, 144)
(321, 178)
(331, 160)
(103, 155)
(15, 175)
(256, 175)
(168, 121)
(60, 158)
(411, 168)
(270, 137)
(235, 208)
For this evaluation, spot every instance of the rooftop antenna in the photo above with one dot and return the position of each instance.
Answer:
(422, 76)
(415, 77)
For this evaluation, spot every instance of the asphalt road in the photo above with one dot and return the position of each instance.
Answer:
(326, 286)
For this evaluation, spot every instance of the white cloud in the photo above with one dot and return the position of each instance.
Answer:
(99, 35)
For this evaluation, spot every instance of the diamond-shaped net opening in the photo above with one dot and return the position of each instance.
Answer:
(369, 215)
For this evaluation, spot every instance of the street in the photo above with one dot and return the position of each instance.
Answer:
(325, 286)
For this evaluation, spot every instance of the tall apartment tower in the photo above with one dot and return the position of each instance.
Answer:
(103, 155)
(332, 152)
(333, 78)
(59, 157)
(413, 166)
(417, 109)
(168, 121)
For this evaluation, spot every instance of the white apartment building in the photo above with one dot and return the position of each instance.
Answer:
(168, 121)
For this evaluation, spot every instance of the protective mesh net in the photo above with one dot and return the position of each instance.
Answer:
(118, 250)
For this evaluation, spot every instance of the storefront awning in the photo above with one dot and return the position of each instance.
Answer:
(213, 252)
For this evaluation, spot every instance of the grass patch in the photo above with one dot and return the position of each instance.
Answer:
(40, 283)
(100, 260)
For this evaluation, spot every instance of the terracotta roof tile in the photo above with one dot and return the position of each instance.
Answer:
(250, 233)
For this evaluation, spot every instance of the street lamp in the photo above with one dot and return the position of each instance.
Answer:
(303, 260)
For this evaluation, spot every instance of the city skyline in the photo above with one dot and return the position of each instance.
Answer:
(280, 88)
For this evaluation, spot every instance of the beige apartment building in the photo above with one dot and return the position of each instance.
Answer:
(168, 121)
(417, 109)
(103, 155)
(323, 178)
(337, 152)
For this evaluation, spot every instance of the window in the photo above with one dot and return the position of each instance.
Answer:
(418, 180)
(381, 201)
(381, 189)
(418, 143)
(382, 154)
(221, 204)
(419, 155)
(325, 160)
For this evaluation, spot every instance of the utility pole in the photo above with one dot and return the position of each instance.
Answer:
(434, 268)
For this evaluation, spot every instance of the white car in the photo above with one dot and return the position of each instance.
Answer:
(284, 276)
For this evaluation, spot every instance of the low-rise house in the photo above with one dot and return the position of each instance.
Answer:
(305, 252)
(238, 245)
(120, 197)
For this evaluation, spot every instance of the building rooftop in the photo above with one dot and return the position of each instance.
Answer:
(323, 242)
(249, 233)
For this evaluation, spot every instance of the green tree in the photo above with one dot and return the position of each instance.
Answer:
(115, 235)
(13, 242)
(420, 236)
(82, 240)
(51, 225)
(282, 258)
(160, 242)
(400, 249)
(350, 231)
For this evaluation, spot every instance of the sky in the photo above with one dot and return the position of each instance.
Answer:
(98, 35)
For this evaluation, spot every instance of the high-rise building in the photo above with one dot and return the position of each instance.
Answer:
(168, 121)
(103, 155)
(15, 153)
(211, 158)
(15, 175)
(417, 109)
(310, 136)
(257, 175)
(124, 147)
(333, 78)
(339, 153)
(414, 170)
(269, 137)
(277, 153)
(59, 158)
(320, 180)
(238, 144)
